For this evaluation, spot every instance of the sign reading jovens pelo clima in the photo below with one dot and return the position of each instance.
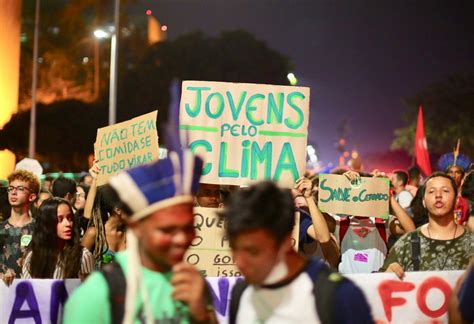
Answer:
(246, 132)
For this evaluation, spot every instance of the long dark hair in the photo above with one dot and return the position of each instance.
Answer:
(420, 213)
(45, 244)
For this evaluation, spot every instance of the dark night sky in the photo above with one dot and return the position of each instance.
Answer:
(360, 58)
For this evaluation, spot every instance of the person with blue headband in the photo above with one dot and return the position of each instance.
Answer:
(157, 284)
(455, 165)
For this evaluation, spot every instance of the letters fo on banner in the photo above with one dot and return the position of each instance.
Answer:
(210, 251)
(369, 197)
(421, 297)
(125, 145)
(246, 132)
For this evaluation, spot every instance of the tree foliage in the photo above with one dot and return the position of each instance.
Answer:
(235, 56)
(66, 129)
(448, 109)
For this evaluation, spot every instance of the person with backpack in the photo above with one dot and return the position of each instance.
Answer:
(314, 236)
(280, 285)
(149, 282)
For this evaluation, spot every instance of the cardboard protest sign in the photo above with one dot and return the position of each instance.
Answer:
(125, 145)
(295, 235)
(338, 195)
(246, 132)
(210, 251)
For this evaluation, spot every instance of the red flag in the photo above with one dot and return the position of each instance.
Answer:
(422, 157)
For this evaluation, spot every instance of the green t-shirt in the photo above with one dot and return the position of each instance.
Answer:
(436, 255)
(89, 303)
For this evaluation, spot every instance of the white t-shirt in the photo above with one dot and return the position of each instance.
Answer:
(290, 303)
(362, 248)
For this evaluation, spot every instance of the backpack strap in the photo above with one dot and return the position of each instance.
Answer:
(115, 279)
(236, 294)
(415, 250)
(325, 283)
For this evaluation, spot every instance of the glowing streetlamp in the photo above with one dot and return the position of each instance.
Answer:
(113, 34)
(100, 33)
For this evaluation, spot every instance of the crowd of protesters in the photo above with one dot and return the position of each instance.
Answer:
(67, 229)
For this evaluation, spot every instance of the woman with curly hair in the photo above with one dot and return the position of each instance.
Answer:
(55, 251)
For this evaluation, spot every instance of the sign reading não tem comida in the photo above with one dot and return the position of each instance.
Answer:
(246, 132)
(368, 197)
(125, 145)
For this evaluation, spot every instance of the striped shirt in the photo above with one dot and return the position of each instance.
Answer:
(87, 266)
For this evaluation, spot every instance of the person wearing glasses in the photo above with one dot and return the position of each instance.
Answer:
(16, 231)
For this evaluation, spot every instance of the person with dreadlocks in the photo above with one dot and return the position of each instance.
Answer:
(55, 251)
(455, 165)
(105, 232)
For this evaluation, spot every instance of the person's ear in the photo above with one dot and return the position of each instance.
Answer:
(32, 197)
(423, 202)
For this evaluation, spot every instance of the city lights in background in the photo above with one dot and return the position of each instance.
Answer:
(9, 78)
(148, 12)
(312, 162)
(100, 33)
(164, 28)
(291, 77)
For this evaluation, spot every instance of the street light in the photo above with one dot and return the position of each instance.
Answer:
(34, 83)
(113, 34)
(99, 33)
(110, 33)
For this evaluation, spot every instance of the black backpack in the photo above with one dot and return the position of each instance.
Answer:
(325, 284)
